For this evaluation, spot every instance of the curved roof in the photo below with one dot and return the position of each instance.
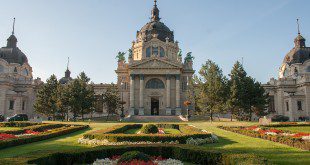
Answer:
(300, 53)
(156, 28)
(11, 53)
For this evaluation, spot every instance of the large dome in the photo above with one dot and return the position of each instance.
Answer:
(299, 54)
(155, 28)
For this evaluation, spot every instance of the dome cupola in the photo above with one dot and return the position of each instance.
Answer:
(155, 28)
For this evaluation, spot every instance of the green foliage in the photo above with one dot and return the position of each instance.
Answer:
(38, 127)
(288, 140)
(247, 96)
(116, 134)
(65, 129)
(134, 155)
(80, 96)
(17, 124)
(47, 98)
(195, 155)
(149, 129)
(211, 89)
(112, 100)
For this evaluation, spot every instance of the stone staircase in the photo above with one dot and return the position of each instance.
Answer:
(151, 119)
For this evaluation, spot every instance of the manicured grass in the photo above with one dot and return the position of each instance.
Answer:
(296, 129)
(172, 131)
(229, 142)
(275, 152)
(9, 128)
(132, 131)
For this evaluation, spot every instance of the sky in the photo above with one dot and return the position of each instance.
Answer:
(91, 32)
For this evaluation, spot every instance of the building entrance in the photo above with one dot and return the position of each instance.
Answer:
(154, 106)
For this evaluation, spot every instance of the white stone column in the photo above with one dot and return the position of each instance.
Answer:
(141, 107)
(168, 95)
(177, 95)
(132, 95)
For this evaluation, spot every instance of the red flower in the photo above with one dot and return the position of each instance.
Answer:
(262, 131)
(301, 134)
(32, 132)
(251, 128)
(4, 136)
(274, 130)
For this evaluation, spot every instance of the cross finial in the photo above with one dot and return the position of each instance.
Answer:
(298, 26)
(13, 26)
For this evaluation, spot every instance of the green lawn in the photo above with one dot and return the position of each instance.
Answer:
(9, 128)
(229, 142)
(295, 129)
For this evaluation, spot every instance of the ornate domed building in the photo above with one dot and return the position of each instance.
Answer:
(154, 81)
(290, 94)
(17, 88)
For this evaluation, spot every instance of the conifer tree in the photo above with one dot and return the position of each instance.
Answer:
(47, 98)
(112, 100)
(212, 89)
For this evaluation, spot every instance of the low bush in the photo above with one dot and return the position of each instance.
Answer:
(18, 124)
(111, 136)
(288, 140)
(39, 128)
(288, 124)
(193, 155)
(66, 129)
(134, 155)
(149, 129)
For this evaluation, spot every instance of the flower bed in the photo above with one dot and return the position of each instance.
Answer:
(35, 128)
(195, 155)
(298, 140)
(29, 136)
(109, 137)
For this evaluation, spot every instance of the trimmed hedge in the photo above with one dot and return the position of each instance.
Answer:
(195, 155)
(17, 124)
(39, 127)
(66, 129)
(149, 129)
(290, 141)
(115, 134)
(289, 124)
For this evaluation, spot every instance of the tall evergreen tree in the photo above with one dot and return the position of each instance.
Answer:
(112, 100)
(47, 98)
(212, 89)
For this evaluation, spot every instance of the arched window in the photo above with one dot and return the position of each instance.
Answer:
(25, 72)
(148, 52)
(1, 69)
(162, 52)
(155, 83)
(308, 69)
(155, 51)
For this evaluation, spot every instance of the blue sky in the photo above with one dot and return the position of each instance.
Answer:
(92, 32)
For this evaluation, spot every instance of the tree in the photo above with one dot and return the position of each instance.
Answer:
(247, 96)
(212, 89)
(111, 100)
(47, 98)
(81, 96)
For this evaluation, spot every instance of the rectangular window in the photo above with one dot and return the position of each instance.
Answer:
(23, 105)
(299, 105)
(287, 107)
(11, 106)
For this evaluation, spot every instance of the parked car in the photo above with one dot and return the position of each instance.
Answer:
(18, 117)
(1, 118)
(280, 118)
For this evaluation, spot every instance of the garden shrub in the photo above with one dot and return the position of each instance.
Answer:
(18, 124)
(134, 155)
(288, 140)
(149, 129)
(195, 155)
(39, 127)
(66, 129)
